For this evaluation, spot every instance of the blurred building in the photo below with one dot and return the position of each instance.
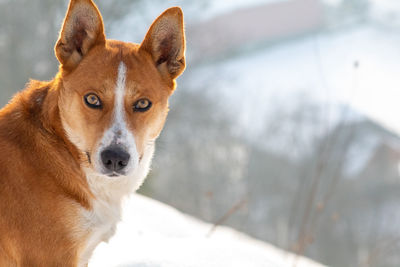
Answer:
(253, 25)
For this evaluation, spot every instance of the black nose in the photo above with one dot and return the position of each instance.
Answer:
(115, 159)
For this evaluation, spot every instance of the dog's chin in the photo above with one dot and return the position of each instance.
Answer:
(115, 175)
(112, 175)
(106, 173)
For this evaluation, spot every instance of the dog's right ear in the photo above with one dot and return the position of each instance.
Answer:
(82, 30)
(165, 42)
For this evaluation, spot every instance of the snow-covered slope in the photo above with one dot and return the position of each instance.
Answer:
(358, 67)
(153, 234)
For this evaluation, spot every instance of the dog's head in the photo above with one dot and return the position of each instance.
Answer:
(113, 100)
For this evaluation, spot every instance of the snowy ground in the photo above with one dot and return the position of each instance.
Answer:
(153, 234)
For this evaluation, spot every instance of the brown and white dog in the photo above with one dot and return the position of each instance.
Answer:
(73, 147)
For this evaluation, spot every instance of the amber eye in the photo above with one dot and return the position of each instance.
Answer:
(92, 100)
(142, 105)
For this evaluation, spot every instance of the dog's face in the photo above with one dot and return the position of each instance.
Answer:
(114, 97)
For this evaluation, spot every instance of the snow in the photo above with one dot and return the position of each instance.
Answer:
(153, 234)
(360, 153)
(356, 67)
(386, 12)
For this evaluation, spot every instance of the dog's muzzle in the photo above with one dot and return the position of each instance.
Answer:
(115, 159)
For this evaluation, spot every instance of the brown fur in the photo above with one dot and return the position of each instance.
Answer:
(42, 185)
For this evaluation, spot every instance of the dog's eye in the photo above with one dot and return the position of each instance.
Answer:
(92, 100)
(142, 105)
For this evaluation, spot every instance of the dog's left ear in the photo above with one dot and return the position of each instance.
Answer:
(82, 30)
(165, 42)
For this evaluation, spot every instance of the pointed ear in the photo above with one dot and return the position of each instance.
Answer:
(165, 41)
(82, 29)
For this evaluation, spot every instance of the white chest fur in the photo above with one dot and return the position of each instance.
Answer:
(99, 223)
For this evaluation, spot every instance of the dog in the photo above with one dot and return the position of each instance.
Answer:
(74, 147)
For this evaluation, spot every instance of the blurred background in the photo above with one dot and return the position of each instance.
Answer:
(285, 124)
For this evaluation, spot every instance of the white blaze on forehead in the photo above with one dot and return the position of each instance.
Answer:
(119, 134)
(119, 94)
